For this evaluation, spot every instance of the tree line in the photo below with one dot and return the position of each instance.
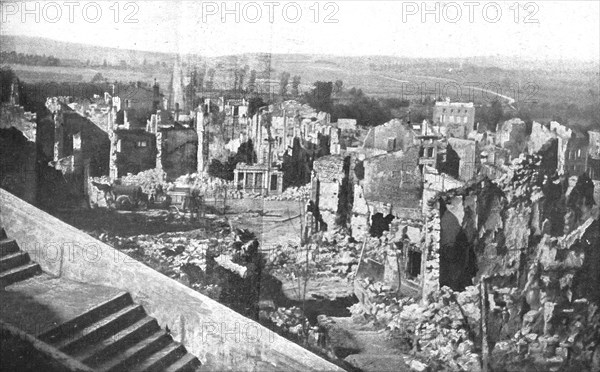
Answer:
(28, 59)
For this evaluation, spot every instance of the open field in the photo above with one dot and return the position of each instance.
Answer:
(567, 87)
(547, 89)
(70, 74)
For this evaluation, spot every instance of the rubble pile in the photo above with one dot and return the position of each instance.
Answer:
(442, 333)
(148, 180)
(289, 321)
(382, 303)
(534, 234)
(194, 261)
(334, 251)
(301, 193)
(208, 186)
(558, 329)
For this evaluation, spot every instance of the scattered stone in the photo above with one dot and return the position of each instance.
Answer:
(378, 363)
(417, 366)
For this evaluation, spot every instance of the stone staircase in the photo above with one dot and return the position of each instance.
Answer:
(15, 264)
(115, 335)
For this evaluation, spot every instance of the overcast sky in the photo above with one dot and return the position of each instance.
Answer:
(539, 30)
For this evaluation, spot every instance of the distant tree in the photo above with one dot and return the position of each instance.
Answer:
(284, 80)
(296, 85)
(98, 78)
(245, 154)
(210, 75)
(319, 97)
(201, 73)
(104, 64)
(7, 77)
(254, 103)
(338, 86)
(242, 75)
(366, 110)
(144, 62)
(266, 59)
(395, 103)
(252, 81)
(296, 166)
(490, 115)
(236, 76)
(194, 77)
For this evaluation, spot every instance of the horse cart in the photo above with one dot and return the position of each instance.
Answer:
(129, 197)
(185, 199)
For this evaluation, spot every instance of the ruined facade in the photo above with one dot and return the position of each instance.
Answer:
(177, 151)
(467, 151)
(330, 191)
(389, 137)
(540, 136)
(132, 151)
(258, 179)
(576, 154)
(455, 119)
(386, 186)
(80, 150)
(512, 135)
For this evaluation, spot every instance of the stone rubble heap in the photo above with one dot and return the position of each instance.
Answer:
(301, 193)
(335, 250)
(149, 180)
(191, 260)
(441, 333)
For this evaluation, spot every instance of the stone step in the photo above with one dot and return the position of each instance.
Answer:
(13, 260)
(8, 246)
(187, 363)
(135, 354)
(123, 339)
(101, 329)
(72, 326)
(19, 273)
(162, 358)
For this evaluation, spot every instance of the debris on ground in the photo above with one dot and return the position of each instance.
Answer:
(301, 193)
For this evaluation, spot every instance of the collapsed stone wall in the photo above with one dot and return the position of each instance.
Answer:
(532, 234)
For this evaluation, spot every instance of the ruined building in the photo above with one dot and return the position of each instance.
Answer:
(18, 168)
(331, 190)
(468, 159)
(132, 151)
(391, 136)
(455, 119)
(528, 241)
(80, 149)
